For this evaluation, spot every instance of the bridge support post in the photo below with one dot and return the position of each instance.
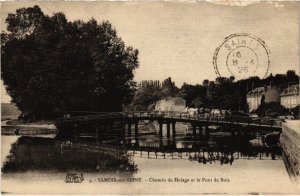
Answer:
(200, 130)
(123, 132)
(160, 129)
(129, 129)
(161, 142)
(136, 128)
(173, 129)
(194, 130)
(168, 143)
(168, 129)
(136, 131)
(206, 130)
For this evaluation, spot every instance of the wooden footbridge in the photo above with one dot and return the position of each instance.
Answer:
(107, 121)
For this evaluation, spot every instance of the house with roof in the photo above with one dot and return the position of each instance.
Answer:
(264, 94)
(171, 104)
(290, 98)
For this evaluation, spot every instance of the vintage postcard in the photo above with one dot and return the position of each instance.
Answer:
(150, 97)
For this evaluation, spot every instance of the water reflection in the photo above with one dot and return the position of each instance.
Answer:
(116, 154)
(35, 153)
(211, 157)
(219, 146)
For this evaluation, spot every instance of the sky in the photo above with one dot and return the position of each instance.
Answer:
(178, 40)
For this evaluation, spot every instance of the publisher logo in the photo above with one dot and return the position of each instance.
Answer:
(74, 178)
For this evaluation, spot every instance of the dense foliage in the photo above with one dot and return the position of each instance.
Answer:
(272, 109)
(223, 93)
(50, 64)
(151, 91)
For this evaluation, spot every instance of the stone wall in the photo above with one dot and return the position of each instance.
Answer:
(290, 143)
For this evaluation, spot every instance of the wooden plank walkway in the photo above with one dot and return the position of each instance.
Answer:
(261, 123)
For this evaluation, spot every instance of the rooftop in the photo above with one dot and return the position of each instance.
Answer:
(260, 90)
(291, 90)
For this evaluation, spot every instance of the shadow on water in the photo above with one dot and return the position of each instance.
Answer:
(35, 153)
(115, 153)
(221, 145)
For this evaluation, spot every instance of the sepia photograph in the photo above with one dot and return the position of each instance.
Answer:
(150, 98)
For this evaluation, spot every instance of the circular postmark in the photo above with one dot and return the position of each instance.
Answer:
(242, 56)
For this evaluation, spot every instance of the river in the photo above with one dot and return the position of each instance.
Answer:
(41, 164)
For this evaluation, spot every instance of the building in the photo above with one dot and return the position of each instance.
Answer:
(290, 98)
(175, 104)
(266, 93)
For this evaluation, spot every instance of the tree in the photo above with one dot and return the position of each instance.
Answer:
(205, 82)
(169, 88)
(147, 95)
(290, 74)
(197, 102)
(221, 80)
(193, 94)
(143, 100)
(271, 109)
(51, 64)
(151, 91)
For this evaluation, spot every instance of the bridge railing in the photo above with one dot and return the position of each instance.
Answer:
(178, 115)
(208, 117)
(96, 116)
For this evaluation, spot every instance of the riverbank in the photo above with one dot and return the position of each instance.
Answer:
(15, 127)
(290, 143)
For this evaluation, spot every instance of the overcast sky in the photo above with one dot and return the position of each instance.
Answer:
(179, 39)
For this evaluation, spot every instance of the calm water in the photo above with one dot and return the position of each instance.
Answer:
(147, 164)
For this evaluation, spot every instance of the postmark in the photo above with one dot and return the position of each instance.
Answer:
(242, 56)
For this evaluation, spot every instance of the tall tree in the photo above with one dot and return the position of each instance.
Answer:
(51, 64)
(169, 88)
